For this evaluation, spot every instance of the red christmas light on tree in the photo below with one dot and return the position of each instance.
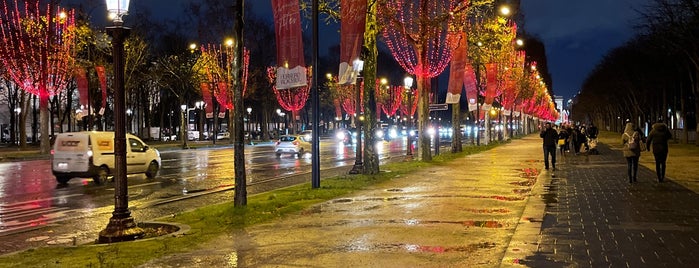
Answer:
(37, 51)
(420, 37)
(389, 98)
(217, 62)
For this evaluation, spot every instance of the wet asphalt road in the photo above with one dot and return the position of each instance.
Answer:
(38, 212)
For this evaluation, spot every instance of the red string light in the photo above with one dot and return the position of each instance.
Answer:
(416, 32)
(217, 61)
(37, 46)
(292, 99)
(389, 98)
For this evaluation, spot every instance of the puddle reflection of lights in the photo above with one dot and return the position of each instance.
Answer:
(412, 248)
(232, 259)
(412, 222)
(360, 244)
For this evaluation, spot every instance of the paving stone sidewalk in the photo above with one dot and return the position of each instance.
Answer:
(595, 218)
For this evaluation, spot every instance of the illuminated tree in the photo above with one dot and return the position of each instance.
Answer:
(419, 35)
(216, 77)
(389, 98)
(37, 50)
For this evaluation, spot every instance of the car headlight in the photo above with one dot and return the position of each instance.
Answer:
(340, 135)
(379, 133)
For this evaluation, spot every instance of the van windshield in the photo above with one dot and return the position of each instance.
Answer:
(71, 143)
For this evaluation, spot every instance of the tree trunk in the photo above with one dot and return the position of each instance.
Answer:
(423, 88)
(371, 157)
(456, 143)
(241, 195)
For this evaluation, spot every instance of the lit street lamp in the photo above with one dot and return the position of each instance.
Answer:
(408, 83)
(249, 109)
(122, 226)
(357, 66)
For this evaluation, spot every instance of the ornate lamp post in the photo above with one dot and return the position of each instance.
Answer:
(121, 225)
(357, 66)
(408, 83)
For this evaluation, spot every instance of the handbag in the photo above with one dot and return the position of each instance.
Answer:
(561, 142)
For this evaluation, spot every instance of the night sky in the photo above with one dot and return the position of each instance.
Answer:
(577, 34)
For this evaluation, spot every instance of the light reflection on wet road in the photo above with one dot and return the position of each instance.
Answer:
(31, 198)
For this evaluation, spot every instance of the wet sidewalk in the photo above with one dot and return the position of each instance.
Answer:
(491, 209)
(595, 218)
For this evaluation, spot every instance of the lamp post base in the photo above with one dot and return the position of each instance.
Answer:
(119, 230)
(357, 168)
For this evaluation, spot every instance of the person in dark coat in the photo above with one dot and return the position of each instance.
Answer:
(631, 139)
(550, 137)
(657, 139)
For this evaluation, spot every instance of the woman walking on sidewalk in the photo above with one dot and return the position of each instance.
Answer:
(631, 139)
(658, 139)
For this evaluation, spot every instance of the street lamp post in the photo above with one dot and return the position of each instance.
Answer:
(183, 127)
(358, 167)
(17, 112)
(200, 114)
(122, 226)
(249, 109)
(129, 126)
(408, 83)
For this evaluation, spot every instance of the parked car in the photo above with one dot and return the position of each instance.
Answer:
(91, 154)
(292, 144)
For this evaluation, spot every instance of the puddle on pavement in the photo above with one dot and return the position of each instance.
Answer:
(502, 197)
(488, 210)
(417, 248)
(549, 196)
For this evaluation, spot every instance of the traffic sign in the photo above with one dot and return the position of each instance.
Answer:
(438, 107)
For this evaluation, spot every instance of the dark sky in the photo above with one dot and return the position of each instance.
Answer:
(577, 34)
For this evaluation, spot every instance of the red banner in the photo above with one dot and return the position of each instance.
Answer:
(491, 74)
(103, 85)
(352, 27)
(81, 80)
(206, 95)
(287, 26)
(470, 86)
(456, 71)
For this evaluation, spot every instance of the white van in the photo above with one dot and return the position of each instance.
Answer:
(91, 154)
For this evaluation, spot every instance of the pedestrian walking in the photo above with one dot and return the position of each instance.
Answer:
(657, 140)
(550, 137)
(563, 140)
(631, 139)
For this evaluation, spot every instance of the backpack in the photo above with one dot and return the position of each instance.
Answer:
(634, 141)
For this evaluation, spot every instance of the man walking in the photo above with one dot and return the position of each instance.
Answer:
(550, 137)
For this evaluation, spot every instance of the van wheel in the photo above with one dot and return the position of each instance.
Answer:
(152, 170)
(62, 179)
(102, 175)
(300, 153)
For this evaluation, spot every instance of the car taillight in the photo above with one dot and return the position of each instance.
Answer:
(53, 152)
(295, 143)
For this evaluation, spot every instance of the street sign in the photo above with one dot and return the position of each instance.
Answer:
(438, 107)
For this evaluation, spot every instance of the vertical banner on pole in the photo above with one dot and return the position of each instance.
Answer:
(457, 70)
